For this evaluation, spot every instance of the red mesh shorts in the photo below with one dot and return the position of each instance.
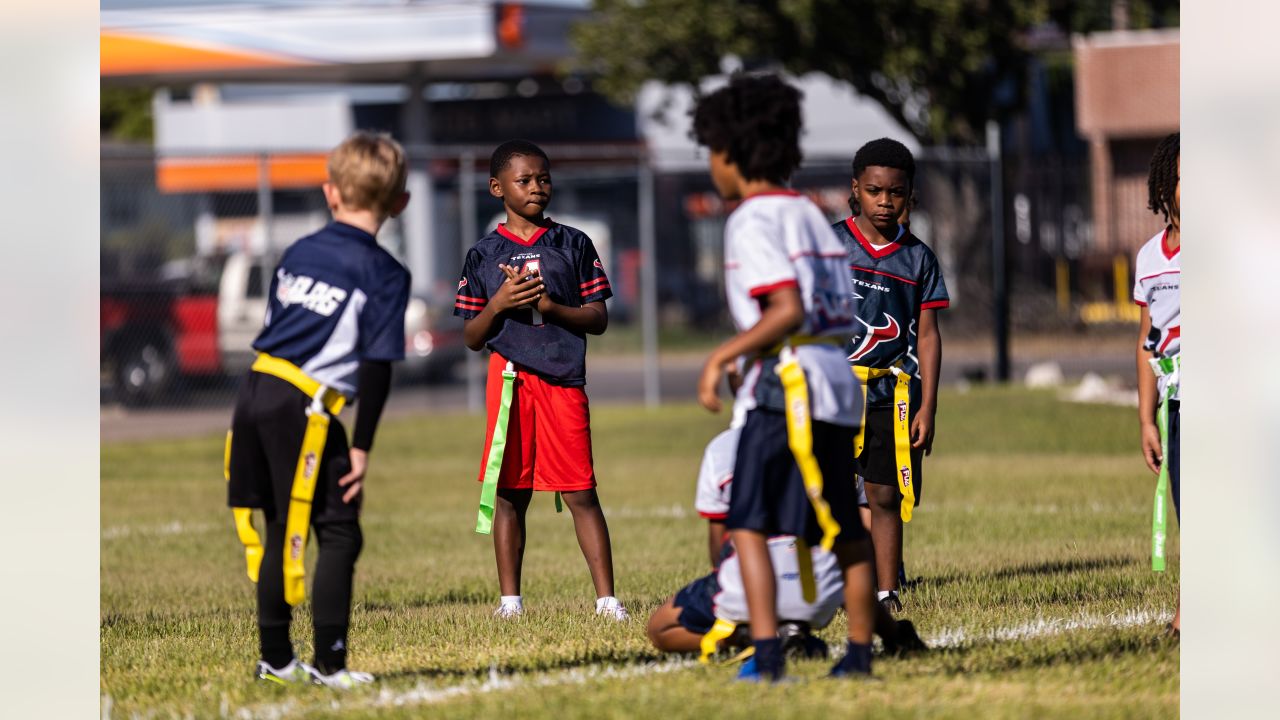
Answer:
(548, 433)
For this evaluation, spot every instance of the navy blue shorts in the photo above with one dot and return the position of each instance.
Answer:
(696, 602)
(768, 494)
(1174, 460)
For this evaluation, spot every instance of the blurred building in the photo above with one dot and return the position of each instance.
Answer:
(1126, 102)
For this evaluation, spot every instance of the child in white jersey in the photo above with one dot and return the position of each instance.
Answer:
(791, 300)
(1156, 289)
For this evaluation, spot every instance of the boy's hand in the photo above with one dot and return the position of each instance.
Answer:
(355, 478)
(922, 431)
(1151, 450)
(709, 383)
(516, 291)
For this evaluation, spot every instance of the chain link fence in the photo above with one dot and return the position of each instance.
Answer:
(188, 245)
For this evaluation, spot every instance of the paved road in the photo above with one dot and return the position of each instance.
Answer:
(616, 379)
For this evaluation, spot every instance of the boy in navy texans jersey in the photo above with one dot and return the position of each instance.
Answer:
(897, 290)
(334, 325)
(531, 291)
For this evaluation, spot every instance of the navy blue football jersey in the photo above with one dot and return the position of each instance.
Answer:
(337, 298)
(573, 276)
(891, 285)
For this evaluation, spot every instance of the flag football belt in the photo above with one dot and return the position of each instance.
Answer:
(325, 402)
(497, 449)
(1171, 368)
(901, 429)
(800, 439)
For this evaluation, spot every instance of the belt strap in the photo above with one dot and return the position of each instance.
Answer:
(1159, 513)
(244, 523)
(298, 521)
(278, 367)
(796, 341)
(324, 401)
(711, 640)
(901, 429)
(497, 448)
(800, 439)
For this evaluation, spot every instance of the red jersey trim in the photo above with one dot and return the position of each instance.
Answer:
(597, 281)
(866, 244)
(763, 290)
(1174, 332)
(714, 516)
(504, 232)
(881, 272)
(1177, 271)
(936, 304)
(469, 299)
(1139, 303)
(1164, 246)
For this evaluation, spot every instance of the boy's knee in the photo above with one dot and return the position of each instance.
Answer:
(581, 499)
(883, 497)
(340, 539)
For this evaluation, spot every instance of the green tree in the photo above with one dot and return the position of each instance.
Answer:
(125, 114)
(941, 68)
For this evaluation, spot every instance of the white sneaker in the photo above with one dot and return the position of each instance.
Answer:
(295, 672)
(343, 679)
(611, 607)
(508, 610)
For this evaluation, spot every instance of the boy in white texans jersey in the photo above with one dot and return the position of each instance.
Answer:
(791, 300)
(1156, 289)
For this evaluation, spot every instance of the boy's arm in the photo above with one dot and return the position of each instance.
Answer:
(375, 385)
(783, 313)
(929, 348)
(1147, 391)
(512, 293)
(715, 540)
(592, 318)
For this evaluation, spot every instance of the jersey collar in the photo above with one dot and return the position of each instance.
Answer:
(504, 232)
(875, 252)
(352, 232)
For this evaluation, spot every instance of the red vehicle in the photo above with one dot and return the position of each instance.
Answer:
(153, 334)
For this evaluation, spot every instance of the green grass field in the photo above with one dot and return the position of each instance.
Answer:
(1031, 545)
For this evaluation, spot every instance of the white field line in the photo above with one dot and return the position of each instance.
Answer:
(425, 694)
(120, 532)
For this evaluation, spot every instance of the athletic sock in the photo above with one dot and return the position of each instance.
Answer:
(277, 651)
(882, 594)
(331, 648)
(857, 659)
(770, 661)
(517, 600)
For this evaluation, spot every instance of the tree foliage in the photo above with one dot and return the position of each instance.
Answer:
(941, 68)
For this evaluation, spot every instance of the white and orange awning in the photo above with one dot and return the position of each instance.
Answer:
(333, 41)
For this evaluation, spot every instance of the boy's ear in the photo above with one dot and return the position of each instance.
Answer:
(332, 197)
(495, 187)
(399, 205)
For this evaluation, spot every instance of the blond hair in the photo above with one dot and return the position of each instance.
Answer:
(368, 169)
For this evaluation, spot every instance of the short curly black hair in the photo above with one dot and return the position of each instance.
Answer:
(502, 155)
(1162, 180)
(755, 121)
(885, 152)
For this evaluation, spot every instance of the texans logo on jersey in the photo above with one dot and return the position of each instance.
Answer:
(876, 335)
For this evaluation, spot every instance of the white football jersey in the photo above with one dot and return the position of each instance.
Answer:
(731, 601)
(777, 240)
(716, 475)
(1157, 286)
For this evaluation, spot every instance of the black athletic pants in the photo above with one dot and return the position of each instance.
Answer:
(339, 546)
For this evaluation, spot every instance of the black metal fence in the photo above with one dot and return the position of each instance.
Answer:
(187, 243)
